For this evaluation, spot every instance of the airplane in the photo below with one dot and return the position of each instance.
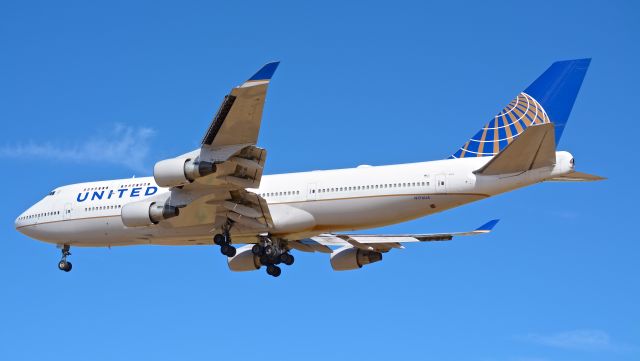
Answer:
(217, 194)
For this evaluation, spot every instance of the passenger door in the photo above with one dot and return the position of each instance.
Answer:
(441, 183)
(67, 211)
(312, 192)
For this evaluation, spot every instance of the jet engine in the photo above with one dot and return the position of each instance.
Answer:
(244, 260)
(140, 214)
(178, 171)
(349, 258)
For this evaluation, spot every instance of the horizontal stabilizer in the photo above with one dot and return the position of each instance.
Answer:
(577, 177)
(534, 148)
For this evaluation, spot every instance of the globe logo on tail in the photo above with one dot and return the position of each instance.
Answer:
(504, 128)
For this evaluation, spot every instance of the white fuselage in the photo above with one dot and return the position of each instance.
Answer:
(301, 204)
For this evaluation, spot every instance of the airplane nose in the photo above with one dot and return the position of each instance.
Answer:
(18, 222)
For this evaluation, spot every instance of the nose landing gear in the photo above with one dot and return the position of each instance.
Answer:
(65, 265)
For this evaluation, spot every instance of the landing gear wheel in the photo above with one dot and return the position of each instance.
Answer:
(256, 249)
(287, 259)
(277, 271)
(64, 266)
(219, 239)
(273, 270)
(228, 250)
(231, 252)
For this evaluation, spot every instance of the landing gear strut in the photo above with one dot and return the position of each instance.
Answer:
(65, 265)
(224, 241)
(271, 254)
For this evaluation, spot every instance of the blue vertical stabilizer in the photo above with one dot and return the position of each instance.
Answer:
(549, 99)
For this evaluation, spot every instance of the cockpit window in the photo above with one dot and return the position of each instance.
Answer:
(52, 193)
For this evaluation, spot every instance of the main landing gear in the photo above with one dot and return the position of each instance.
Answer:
(65, 265)
(272, 254)
(224, 241)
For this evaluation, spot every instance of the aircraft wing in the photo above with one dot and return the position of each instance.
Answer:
(230, 140)
(236, 163)
(380, 242)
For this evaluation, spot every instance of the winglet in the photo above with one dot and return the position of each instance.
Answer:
(487, 227)
(266, 72)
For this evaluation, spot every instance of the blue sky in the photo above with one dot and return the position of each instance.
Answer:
(103, 90)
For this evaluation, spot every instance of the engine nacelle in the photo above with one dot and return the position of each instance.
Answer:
(244, 260)
(178, 171)
(140, 214)
(348, 258)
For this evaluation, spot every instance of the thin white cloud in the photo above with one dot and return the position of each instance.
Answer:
(587, 340)
(123, 145)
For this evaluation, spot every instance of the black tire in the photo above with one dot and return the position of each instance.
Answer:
(287, 259)
(276, 271)
(69, 267)
(62, 265)
(219, 239)
(256, 249)
(271, 269)
(223, 249)
(228, 250)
